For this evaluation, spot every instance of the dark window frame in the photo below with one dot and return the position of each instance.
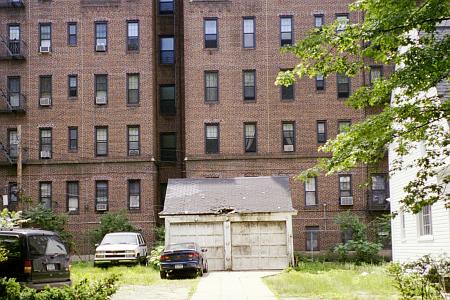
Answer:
(249, 99)
(97, 182)
(130, 39)
(386, 186)
(129, 194)
(350, 191)
(68, 196)
(286, 41)
(97, 142)
(322, 17)
(316, 194)
(164, 111)
(166, 11)
(41, 144)
(343, 95)
(312, 230)
(283, 137)
(50, 33)
(253, 18)
(322, 137)
(96, 38)
(41, 92)
(255, 137)
(172, 59)
(13, 192)
(172, 157)
(72, 91)
(70, 42)
(205, 43)
(337, 15)
(70, 145)
(380, 67)
(138, 140)
(206, 88)
(217, 139)
(96, 76)
(47, 197)
(319, 87)
(138, 89)
(8, 133)
(10, 93)
(285, 89)
(14, 45)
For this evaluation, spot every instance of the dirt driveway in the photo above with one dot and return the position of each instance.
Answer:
(235, 286)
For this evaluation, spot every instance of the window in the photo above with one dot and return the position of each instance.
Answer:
(72, 34)
(45, 143)
(288, 136)
(211, 86)
(132, 35)
(250, 85)
(343, 85)
(73, 138)
(167, 102)
(14, 98)
(101, 89)
(45, 89)
(210, 26)
(45, 194)
(342, 20)
(311, 192)
(320, 82)
(379, 189)
(45, 37)
(134, 194)
(321, 131)
(250, 137)
(13, 143)
(347, 235)
(134, 145)
(345, 190)
(212, 138)
(166, 7)
(249, 32)
(101, 141)
(286, 30)
(168, 146)
(73, 196)
(376, 73)
(14, 39)
(312, 238)
(287, 92)
(425, 223)
(167, 50)
(344, 126)
(101, 195)
(133, 89)
(101, 34)
(318, 21)
(73, 85)
(13, 192)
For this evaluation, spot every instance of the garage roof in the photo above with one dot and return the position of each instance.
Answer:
(218, 196)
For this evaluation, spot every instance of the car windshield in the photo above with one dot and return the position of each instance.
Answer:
(119, 239)
(182, 246)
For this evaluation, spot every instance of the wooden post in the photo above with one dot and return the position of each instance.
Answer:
(19, 161)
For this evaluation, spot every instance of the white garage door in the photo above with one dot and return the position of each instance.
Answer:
(207, 235)
(259, 245)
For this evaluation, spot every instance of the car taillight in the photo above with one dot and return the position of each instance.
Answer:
(27, 266)
(164, 257)
(193, 255)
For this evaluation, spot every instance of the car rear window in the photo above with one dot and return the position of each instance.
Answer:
(182, 246)
(45, 245)
(11, 244)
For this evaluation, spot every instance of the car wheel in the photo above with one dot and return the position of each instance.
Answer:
(163, 274)
(205, 270)
(144, 261)
(200, 272)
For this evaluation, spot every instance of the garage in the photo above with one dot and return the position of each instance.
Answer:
(245, 223)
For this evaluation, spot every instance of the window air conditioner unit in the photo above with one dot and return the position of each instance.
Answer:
(288, 148)
(45, 101)
(44, 49)
(134, 201)
(100, 100)
(100, 48)
(347, 200)
(46, 154)
(133, 152)
(101, 206)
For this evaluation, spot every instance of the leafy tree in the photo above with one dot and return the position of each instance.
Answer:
(385, 35)
(111, 222)
(11, 219)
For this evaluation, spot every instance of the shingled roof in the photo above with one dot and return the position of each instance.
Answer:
(228, 195)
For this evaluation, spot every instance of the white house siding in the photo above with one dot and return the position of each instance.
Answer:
(411, 246)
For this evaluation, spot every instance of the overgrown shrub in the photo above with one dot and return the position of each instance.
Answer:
(160, 235)
(83, 290)
(111, 222)
(426, 278)
(154, 257)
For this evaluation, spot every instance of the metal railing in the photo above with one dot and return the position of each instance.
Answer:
(11, 101)
(12, 3)
(12, 49)
(376, 201)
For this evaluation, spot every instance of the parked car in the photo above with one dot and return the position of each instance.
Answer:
(36, 258)
(183, 257)
(121, 247)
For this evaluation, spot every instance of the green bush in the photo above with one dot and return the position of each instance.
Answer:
(111, 222)
(47, 219)
(160, 235)
(154, 257)
(83, 290)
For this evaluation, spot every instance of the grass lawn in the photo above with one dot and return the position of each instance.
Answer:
(129, 275)
(333, 281)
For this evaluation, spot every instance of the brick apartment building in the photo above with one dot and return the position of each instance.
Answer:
(115, 97)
